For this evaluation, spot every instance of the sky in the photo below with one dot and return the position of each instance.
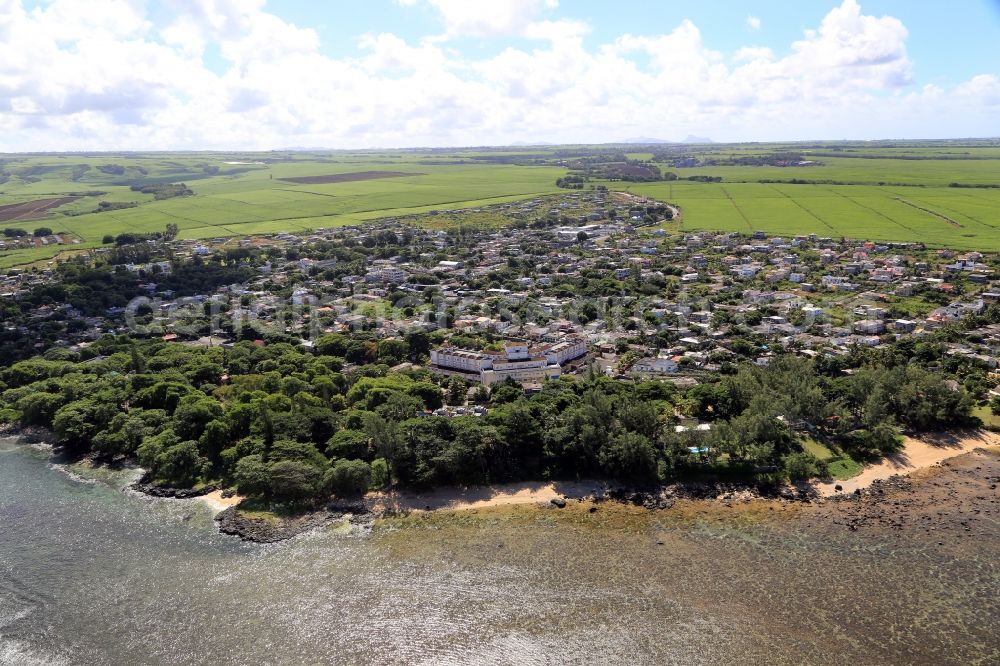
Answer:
(272, 74)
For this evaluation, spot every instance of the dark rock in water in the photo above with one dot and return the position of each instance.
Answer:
(258, 530)
(146, 486)
(658, 502)
(838, 487)
(227, 493)
(593, 509)
(558, 501)
(355, 506)
(857, 491)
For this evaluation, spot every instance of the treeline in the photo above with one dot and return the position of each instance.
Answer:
(828, 181)
(105, 206)
(774, 159)
(135, 237)
(290, 425)
(164, 190)
(571, 182)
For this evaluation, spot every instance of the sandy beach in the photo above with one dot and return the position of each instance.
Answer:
(481, 497)
(917, 453)
(219, 503)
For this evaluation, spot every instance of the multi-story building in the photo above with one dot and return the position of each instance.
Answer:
(518, 361)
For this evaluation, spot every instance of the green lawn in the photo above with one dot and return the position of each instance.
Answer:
(989, 419)
(841, 465)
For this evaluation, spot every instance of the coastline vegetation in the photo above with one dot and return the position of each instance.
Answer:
(294, 426)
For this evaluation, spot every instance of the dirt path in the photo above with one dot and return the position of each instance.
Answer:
(927, 451)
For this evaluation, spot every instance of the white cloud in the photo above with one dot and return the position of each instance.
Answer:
(498, 18)
(753, 22)
(749, 53)
(107, 78)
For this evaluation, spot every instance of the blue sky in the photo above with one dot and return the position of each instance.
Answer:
(948, 42)
(384, 73)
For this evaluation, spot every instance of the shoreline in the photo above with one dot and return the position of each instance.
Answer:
(918, 453)
(921, 452)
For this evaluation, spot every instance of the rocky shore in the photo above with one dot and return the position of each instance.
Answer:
(273, 529)
(146, 486)
(944, 504)
(727, 493)
(28, 434)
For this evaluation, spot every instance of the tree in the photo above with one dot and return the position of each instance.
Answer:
(332, 344)
(180, 465)
(297, 451)
(294, 481)
(639, 417)
(802, 465)
(108, 239)
(348, 444)
(78, 421)
(349, 478)
(380, 473)
(41, 232)
(138, 362)
(108, 444)
(481, 394)
(252, 475)
(457, 388)
(522, 433)
(392, 351)
(194, 413)
(153, 445)
(39, 408)
(629, 457)
(418, 343)
(505, 393)
(171, 232)
(214, 439)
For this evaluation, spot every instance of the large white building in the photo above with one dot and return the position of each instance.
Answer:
(518, 361)
(386, 275)
(655, 366)
(462, 360)
(566, 350)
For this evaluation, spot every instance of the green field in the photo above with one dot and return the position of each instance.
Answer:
(873, 191)
(252, 198)
(965, 218)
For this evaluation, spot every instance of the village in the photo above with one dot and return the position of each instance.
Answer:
(578, 283)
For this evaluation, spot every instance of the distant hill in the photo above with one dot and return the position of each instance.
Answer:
(696, 139)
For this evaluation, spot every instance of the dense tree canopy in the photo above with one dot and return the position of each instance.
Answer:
(295, 426)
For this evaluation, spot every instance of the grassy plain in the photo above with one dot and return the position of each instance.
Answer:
(247, 195)
(882, 192)
(940, 216)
